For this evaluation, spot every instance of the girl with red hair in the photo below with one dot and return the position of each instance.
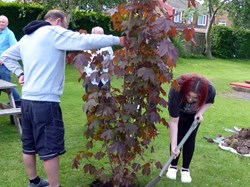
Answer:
(187, 102)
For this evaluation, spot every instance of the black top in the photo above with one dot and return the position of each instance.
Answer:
(176, 106)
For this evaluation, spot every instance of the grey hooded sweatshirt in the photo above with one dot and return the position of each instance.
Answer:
(42, 51)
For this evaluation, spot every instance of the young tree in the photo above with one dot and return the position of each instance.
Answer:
(124, 120)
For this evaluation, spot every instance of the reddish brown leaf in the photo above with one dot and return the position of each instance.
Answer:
(136, 166)
(99, 155)
(164, 122)
(162, 25)
(146, 74)
(158, 165)
(172, 32)
(75, 164)
(175, 85)
(162, 91)
(118, 147)
(107, 135)
(146, 169)
(191, 3)
(167, 48)
(152, 149)
(89, 145)
(131, 128)
(80, 60)
(162, 102)
(89, 168)
(90, 104)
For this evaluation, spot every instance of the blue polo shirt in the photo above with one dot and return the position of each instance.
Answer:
(7, 39)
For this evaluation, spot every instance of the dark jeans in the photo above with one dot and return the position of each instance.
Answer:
(184, 124)
(5, 75)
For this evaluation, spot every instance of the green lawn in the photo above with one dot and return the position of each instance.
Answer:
(210, 167)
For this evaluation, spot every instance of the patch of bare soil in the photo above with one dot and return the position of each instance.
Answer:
(239, 95)
(98, 183)
(240, 141)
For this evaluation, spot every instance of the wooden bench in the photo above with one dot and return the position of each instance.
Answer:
(242, 87)
(9, 107)
(10, 111)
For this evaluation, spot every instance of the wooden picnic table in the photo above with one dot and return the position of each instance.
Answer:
(10, 109)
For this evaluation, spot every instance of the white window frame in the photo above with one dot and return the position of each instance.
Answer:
(202, 20)
(178, 16)
(222, 22)
(190, 18)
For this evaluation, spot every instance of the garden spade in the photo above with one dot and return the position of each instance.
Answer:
(158, 178)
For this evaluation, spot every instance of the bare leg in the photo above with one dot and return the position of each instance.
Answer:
(30, 165)
(52, 170)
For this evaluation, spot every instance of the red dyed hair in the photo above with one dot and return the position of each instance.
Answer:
(194, 83)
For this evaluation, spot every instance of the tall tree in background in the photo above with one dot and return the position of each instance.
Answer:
(85, 5)
(212, 7)
(239, 13)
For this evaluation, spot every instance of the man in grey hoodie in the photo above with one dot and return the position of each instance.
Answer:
(42, 50)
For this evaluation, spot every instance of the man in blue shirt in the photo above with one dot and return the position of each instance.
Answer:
(7, 39)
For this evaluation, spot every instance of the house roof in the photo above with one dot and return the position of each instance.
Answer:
(182, 4)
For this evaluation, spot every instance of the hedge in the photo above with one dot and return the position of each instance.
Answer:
(20, 14)
(230, 43)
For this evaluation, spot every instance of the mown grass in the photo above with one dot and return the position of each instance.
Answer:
(211, 166)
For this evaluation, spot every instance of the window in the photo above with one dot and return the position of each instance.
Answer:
(222, 23)
(178, 16)
(202, 20)
(190, 18)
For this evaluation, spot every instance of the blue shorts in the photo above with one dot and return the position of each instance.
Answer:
(43, 129)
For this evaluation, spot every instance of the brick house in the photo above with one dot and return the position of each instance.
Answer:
(223, 20)
(177, 9)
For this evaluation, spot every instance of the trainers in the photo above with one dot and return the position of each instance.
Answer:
(172, 172)
(42, 183)
(185, 176)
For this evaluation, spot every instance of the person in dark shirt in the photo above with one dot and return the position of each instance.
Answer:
(187, 101)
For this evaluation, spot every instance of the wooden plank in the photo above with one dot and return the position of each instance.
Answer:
(4, 106)
(240, 84)
(6, 85)
(10, 111)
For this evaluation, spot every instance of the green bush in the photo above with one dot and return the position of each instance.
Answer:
(242, 44)
(186, 49)
(88, 20)
(230, 43)
(19, 14)
(222, 42)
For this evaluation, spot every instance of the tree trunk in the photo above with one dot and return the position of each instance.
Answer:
(208, 51)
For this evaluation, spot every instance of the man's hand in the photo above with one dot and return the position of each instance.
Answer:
(21, 80)
(122, 41)
(1, 62)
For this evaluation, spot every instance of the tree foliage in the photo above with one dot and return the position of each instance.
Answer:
(124, 120)
(85, 5)
(239, 12)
